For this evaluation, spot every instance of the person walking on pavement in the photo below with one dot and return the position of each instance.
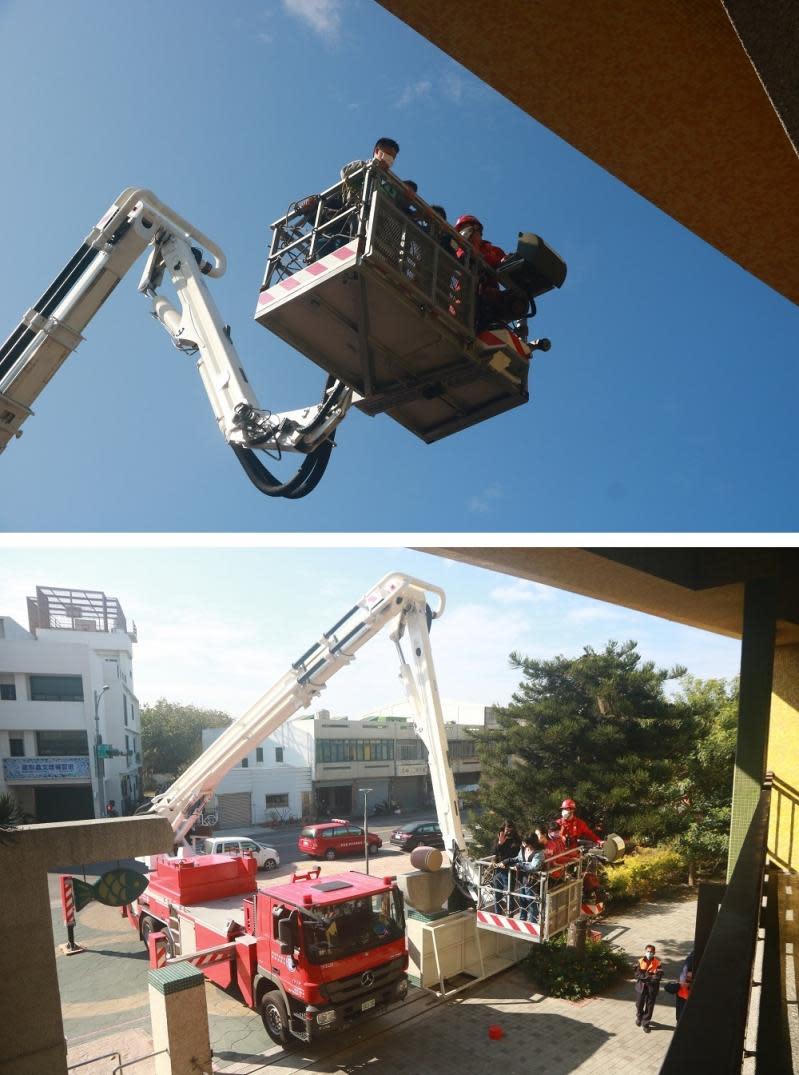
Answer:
(648, 972)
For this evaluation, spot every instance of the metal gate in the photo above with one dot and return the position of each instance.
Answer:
(235, 810)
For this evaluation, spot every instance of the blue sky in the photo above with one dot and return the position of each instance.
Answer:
(666, 404)
(218, 626)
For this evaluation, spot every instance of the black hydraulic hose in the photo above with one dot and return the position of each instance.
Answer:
(303, 482)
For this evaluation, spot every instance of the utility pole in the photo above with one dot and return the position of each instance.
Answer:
(99, 765)
(365, 793)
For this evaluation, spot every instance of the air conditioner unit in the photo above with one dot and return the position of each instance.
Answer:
(81, 624)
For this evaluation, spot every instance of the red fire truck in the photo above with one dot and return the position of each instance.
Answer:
(313, 954)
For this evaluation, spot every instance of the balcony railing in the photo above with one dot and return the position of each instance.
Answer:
(783, 838)
(711, 1036)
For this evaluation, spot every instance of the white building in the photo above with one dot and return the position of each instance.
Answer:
(271, 784)
(66, 688)
(315, 765)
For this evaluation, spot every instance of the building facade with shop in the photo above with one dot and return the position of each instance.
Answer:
(70, 733)
(315, 765)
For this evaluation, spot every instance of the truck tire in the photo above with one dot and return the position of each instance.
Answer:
(148, 926)
(330, 854)
(275, 1018)
(270, 864)
(373, 849)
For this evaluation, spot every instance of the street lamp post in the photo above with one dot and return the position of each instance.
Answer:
(99, 766)
(365, 793)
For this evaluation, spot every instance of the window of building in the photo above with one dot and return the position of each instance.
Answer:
(259, 754)
(411, 750)
(62, 743)
(245, 763)
(353, 750)
(275, 801)
(16, 746)
(462, 748)
(127, 746)
(125, 709)
(278, 754)
(8, 690)
(56, 688)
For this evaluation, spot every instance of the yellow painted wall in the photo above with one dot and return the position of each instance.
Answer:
(783, 759)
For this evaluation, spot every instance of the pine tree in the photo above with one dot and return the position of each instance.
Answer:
(598, 728)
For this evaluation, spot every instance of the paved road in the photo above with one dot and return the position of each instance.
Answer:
(104, 989)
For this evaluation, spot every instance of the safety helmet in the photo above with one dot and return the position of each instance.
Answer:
(568, 804)
(467, 218)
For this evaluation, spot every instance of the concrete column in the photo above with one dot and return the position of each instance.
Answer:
(757, 671)
(783, 759)
(179, 1015)
(31, 1028)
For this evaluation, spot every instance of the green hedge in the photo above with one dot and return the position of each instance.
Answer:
(558, 971)
(644, 875)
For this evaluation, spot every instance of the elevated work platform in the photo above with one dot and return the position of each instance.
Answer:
(390, 310)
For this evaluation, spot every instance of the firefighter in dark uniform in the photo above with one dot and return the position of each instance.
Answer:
(648, 972)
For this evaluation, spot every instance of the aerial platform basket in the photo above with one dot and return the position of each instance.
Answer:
(371, 291)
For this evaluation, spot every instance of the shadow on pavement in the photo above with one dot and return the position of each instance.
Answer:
(450, 1041)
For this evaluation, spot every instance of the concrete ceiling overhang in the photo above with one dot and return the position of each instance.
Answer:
(694, 104)
(698, 587)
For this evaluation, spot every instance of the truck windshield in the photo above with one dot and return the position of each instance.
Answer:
(343, 929)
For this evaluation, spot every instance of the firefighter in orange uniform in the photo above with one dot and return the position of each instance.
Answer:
(489, 297)
(573, 828)
(648, 972)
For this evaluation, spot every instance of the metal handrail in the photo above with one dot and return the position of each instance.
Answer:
(722, 985)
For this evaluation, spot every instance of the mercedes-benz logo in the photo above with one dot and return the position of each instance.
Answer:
(367, 979)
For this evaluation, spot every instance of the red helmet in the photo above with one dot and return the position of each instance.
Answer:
(462, 221)
(568, 804)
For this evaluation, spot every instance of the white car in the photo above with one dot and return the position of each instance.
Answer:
(266, 857)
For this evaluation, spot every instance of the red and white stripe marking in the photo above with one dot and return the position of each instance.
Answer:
(511, 925)
(156, 944)
(592, 909)
(506, 340)
(309, 275)
(68, 901)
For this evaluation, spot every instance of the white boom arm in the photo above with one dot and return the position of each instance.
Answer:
(396, 600)
(51, 330)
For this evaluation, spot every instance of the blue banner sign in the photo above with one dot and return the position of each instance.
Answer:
(46, 768)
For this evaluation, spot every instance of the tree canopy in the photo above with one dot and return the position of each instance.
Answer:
(601, 728)
(171, 734)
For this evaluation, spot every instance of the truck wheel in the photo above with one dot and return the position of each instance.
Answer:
(270, 864)
(148, 926)
(275, 1018)
(373, 849)
(330, 854)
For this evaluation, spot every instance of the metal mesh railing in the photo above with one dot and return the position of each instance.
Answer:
(395, 229)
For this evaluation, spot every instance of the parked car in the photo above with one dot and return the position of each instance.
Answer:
(335, 838)
(266, 857)
(417, 834)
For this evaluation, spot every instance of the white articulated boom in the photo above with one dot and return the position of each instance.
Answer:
(52, 329)
(397, 601)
